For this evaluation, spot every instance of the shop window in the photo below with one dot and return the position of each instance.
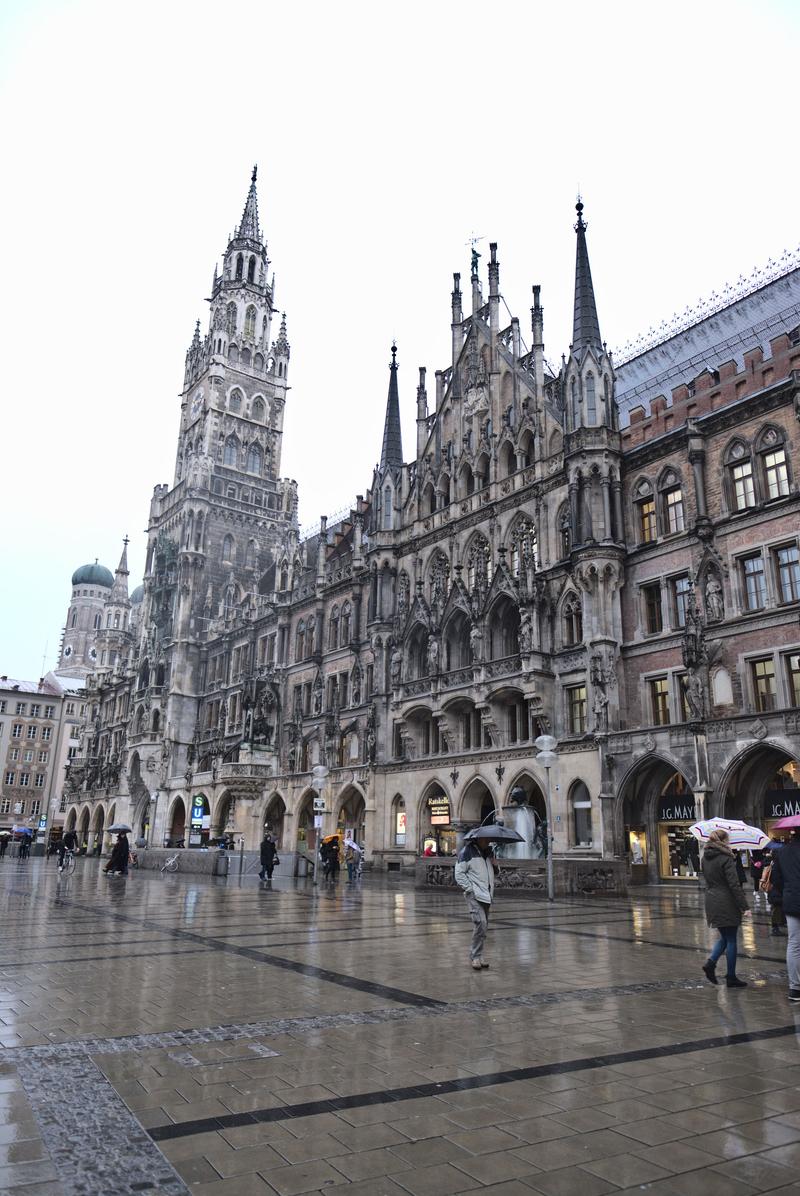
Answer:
(787, 565)
(651, 599)
(637, 845)
(763, 677)
(754, 582)
(576, 709)
(793, 677)
(680, 598)
(399, 823)
(581, 815)
(673, 510)
(659, 700)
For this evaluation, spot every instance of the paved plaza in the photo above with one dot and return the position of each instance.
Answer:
(171, 1034)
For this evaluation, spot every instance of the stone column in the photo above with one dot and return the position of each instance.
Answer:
(605, 482)
(618, 518)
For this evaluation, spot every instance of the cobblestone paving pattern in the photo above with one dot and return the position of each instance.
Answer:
(174, 1034)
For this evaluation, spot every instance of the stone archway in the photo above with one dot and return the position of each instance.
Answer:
(351, 815)
(760, 785)
(525, 811)
(654, 808)
(275, 818)
(96, 831)
(437, 831)
(477, 803)
(83, 829)
(223, 821)
(176, 824)
(72, 820)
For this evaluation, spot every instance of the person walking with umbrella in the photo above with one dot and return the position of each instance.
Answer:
(118, 860)
(474, 873)
(726, 904)
(269, 856)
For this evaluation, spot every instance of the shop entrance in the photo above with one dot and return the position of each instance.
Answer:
(761, 787)
(657, 809)
(438, 833)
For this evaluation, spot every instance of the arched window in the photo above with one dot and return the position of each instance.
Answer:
(671, 503)
(98, 622)
(156, 724)
(239, 266)
(250, 322)
(231, 454)
(591, 400)
(576, 408)
(333, 629)
(284, 576)
(230, 319)
(581, 803)
(251, 555)
(344, 625)
(108, 619)
(73, 618)
(235, 401)
(773, 463)
(300, 641)
(255, 459)
(228, 549)
(572, 621)
(387, 508)
(645, 505)
(251, 269)
(116, 619)
(258, 410)
(478, 567)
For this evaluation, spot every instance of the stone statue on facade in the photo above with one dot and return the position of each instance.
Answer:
(715, 603)
(600, 709)
(695, 695)
(396, 665)
(525, 631)
(476, 643)
(433, 655)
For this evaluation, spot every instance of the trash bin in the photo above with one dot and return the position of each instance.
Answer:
(221, 864)
(302, 866)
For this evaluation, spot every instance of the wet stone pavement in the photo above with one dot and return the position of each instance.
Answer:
(175, 1034)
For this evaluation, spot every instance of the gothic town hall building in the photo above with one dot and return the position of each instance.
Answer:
(607, 553)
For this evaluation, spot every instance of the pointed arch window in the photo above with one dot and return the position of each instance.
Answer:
(344, 628)
(572, 621)
(235, 401)
(239, 266)
(251, 269)
(98, 622)
(258, 410)
(73, 618)
(255, 459)
(591, 401)
(333, 629)
(250, 322)
(251, 555)
(230, 319)
(300, 641)
(228, 549)
(231, 453)
(576, 410)
(387, 508)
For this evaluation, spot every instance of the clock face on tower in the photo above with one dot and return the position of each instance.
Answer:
(68, 650)
(93, 653)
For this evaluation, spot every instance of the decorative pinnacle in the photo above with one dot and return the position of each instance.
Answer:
(394, 355)
(254, 175)
(579, 209)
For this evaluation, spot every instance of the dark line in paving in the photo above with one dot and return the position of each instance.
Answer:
(204, 1125)
(276, 961)
(65, 959)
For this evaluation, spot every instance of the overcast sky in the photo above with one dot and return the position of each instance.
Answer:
(385, 137)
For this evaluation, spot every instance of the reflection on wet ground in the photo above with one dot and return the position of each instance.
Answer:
(171, 1033)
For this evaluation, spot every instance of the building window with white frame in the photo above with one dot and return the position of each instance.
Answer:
(754, 582)
(25, 780)
(680, 599)
(651, 612)
(787, 565)
(792, 662)
(11, 778)
(38, 782)
(16, 731)
(776, 474)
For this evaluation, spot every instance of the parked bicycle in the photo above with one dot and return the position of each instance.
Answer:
(171, 865)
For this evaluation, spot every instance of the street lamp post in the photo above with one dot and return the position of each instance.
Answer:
(548, 756)
(320, 774)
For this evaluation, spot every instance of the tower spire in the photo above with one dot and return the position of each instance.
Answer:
(248, 225)
(392, 450)
(586, 326)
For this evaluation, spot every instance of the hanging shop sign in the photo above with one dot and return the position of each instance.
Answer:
(676, 809)
(782, 803)
(439, 809)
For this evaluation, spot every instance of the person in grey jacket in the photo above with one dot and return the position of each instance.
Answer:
(474, 872)
(726, 904)
(785, 893)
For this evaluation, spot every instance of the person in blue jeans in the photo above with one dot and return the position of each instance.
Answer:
(726, 905)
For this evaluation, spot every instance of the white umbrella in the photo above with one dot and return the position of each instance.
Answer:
(740, 835)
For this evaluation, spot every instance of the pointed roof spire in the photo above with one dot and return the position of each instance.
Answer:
(119, 591)
(248, 226)
(122, 567)
(392, 450)
(195, 344)
(586, 326)
(281, 345)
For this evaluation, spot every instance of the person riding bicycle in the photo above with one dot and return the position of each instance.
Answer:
(68, 842)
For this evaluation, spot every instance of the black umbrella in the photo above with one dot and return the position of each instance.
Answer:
(496, 833)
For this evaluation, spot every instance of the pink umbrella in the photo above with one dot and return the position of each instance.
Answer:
(791, 822)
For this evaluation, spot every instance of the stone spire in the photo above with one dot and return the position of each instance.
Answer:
(281, 346)
(392, 450)
(248, 225)
(586, 326)
(119, 591)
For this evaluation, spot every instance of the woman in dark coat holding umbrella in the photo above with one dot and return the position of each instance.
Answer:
(726, 904)
(118, 860)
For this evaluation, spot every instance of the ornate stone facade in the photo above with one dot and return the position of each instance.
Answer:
(543, 565)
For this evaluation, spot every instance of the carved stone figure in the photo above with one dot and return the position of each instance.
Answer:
(715, 603)
(600, 708)
(695, 695)
(433, 655)
(476, 643)
(396, 665)
(525, 631)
